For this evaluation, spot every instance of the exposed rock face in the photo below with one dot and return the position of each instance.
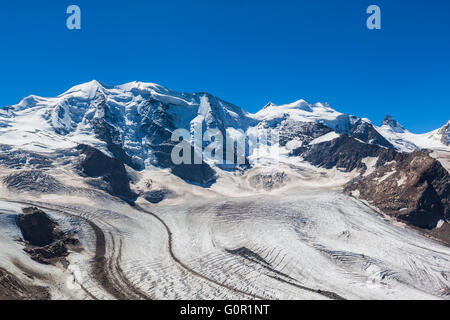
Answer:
(11, 288)
(445, 134)
(48, 254)
(391, 122)
(96, 164)
(46, 242)
(345, 153)
(105, 127)
(365, 131)
(36, 226)
(414, 188)
(359, 129)
(201, 174)
(301, 131)
(156, 196)
(441, 232)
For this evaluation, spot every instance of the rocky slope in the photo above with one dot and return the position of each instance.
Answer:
(413, 187)
(46, 243)
(108, 173)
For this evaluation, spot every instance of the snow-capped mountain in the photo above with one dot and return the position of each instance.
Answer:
(133, 121)
(96, 159)
(289, 117)
(129, 121)
(407, 141)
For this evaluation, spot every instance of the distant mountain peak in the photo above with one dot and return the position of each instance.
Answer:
(87, 89)
(269, 104)
(444, 132)
(132, 120)
(391, 122)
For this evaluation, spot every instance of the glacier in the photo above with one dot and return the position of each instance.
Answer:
(280, 229)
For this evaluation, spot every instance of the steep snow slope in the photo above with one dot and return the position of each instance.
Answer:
(123, 120)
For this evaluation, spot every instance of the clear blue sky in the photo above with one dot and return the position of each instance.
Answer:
(244, 51)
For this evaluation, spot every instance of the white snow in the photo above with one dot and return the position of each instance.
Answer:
(407, 141)
(326, 137)
(46, 124)
(386, 175)
(370, 163)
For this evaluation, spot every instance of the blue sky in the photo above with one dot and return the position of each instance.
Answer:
(246, 52)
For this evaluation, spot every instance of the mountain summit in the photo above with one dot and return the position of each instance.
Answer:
(392, 123)
(444, 132)
(291, 212)
(134, 122)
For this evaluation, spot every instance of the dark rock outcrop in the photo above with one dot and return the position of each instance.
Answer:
(37, 227)
(156, 196)
(345, 153)
(201, 174)
(361, 130)
(49, 253)
(414, 188)
(46, 243)
(441, 232)
(96, 164)
(301, 131)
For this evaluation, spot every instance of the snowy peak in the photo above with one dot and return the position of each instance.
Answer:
(407, 141)
(131, 120)
(393, 124)
(86, 90)
(299, 110)
(444, 132)
(300, 106)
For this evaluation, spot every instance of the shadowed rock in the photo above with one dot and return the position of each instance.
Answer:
(345, 153)
(96, 164)
(201, 174)
(46, 242)
(156, 196)
(36, 226)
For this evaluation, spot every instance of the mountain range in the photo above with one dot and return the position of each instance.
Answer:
(99, 146)
(134, 122)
